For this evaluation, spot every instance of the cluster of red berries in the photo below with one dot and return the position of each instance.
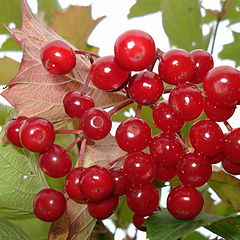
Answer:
(168, 156)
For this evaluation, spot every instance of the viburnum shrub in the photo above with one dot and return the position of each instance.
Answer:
(141, 74)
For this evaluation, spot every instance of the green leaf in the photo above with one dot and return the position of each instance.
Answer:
(230, 50)
(162, 225)
(20, 180)
(9, 231)
(227, 188)
(195, 236)
(4, 110)
(143, 7)
(8, 68)
(38, 232)
(121, 115)
(232, 11)
(10, 11)
(48, 7)
(228, 228)
(223, 209)
(182, 23)
(75, 25)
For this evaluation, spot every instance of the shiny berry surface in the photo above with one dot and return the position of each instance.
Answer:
(58, 57)
(138, 222)
(165, 119)
(206, 137)
(231, 146)
(176, 66)
(37, 134)
(55, 162)
(222, 86)
(75, 104)
(95, 123)
(166, 149)
(103, 208)
(72, 185)
(140, 168)
(107, 75)
(12, 130)
(217, 158)
(184, 202)
(231, 167)
(186, 101)
(142, 199)
(165, 172)
(120, 181)
(218, 114)
(96, 183)
(194, 169)
(145, 88)
(135, 50)
(133, 135)
(49, 205)
(203, 63)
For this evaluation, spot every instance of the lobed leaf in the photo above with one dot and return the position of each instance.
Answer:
(75, 25)
(144, 7)
(10, 231)
(20, 180)
(182, 23)
(34, 91)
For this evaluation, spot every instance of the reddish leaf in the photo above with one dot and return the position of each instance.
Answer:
(34, 91)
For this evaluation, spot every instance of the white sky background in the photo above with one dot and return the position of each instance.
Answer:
(116, 22)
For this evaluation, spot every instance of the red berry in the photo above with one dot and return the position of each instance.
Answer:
(133, 135)
(165, 173)
(140, 168)
(103, 208)
(194, 169)
(217, 158)
(165, 119)
(120, 181)
(95, 123)
(222, 86)
(107, 75)
(58, 57)
(145, 88)
(142, 199)
(184, 202)
(176, 66)
(37, 134)
(96, 183)
(55, 162)
(186, 101)
(72, 185)
(203, 62)
(231, 146)
(166, 149)
(231, 167)
(49, 205)
(216, 113)
(75, 104)
(12, 130)
(135, 50)
(206, 137)
(138, 222)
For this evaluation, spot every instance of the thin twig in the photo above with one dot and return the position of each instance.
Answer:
(120, 106)
(138, 111)
(116, 160)
(228, 126)
(76, 141)
(215, 34)
(81, 152)
(85, 86)
(68, 131)
(85, 53)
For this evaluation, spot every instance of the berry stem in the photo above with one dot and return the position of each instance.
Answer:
(119, 107)
(68, 131)
(167, 90)
(159, 53)
(81, 153)
(85, 86)
(85, 53)
(138, 111)
(228, 126)
(76, 141)
(116, 160)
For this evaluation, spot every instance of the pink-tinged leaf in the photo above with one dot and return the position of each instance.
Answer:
(35, 92)
(75, 224)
